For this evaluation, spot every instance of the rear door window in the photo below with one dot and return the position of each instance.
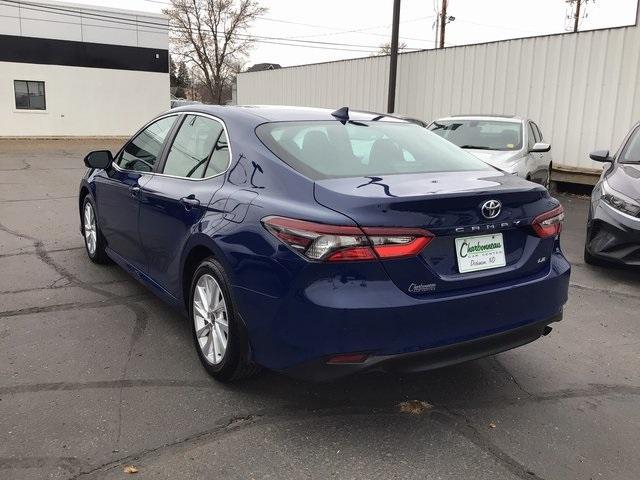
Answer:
(192, 147)
(220, 157)
(142, 152)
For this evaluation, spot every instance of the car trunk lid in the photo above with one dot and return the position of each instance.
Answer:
(448, 204)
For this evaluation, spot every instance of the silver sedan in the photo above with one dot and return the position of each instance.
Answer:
(512, 144)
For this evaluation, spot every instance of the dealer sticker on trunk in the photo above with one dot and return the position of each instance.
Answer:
(480, 253)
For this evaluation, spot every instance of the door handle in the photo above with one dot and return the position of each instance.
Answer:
(190, 202)
(134, 191)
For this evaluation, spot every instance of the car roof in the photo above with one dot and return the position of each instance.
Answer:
(280, 113)
(505, 118)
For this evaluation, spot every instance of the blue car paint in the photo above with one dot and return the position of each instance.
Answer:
(297, 311)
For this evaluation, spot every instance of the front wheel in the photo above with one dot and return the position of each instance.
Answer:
(546, 183)
(218, 333)
(93, 240)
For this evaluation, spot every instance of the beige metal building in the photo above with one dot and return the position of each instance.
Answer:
(583, 89)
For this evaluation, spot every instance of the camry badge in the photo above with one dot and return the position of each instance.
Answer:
(491, 209)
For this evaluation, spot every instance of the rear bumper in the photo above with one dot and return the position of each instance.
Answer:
(613, 236)
(342, 314)
(429, 359)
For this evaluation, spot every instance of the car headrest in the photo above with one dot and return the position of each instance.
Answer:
(384, 152)
(316, 146)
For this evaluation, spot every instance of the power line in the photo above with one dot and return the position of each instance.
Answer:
(169, 27)
(74, 13)
(79, 24)
(334, 31)
(362, 31)
(515, 29)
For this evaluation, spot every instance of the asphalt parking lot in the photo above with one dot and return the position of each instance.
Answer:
(97, 374)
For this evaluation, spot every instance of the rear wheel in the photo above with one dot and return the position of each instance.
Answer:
(93, 240)
(218, 333)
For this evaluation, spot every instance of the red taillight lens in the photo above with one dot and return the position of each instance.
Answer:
(549, 223)
(333, 243)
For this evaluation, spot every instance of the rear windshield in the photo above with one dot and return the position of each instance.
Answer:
(480, 134)
(330, 149)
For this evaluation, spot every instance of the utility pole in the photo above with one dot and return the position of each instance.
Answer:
(443, 21)
(437, 29)
(393, 58)
(574, 15)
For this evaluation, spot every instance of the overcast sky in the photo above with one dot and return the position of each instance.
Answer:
(368, 23)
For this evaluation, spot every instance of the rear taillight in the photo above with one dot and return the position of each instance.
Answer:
(334, 243)
(549, 223)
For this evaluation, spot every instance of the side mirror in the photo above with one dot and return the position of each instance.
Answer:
(600, 156)
(98, 159)
(540, 147)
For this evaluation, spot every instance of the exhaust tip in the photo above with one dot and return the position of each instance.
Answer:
(547, 330)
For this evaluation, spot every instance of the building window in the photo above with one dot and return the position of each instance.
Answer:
(29, 95)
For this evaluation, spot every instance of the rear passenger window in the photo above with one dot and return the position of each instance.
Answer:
(220, 157)
(141, 153)
(193, 147)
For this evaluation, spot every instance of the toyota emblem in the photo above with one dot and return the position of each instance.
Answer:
(491, 209)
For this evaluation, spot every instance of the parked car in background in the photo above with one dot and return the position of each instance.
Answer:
(613, 225)
(408, 118)
(510, 143)
(322, 243)
(182, 102)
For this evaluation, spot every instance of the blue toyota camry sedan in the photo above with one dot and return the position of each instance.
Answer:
(321, 243)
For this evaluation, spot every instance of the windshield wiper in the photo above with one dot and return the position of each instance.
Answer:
(477, 147)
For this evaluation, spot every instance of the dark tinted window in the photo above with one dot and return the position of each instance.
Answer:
(220, 158)
(631, 152)
(142, 152)
(29, 95)
(330, 149)
(192, 147)
(480, 134)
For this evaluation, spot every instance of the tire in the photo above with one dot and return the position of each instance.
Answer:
(223, 349)
(94, 242)
(547, 181)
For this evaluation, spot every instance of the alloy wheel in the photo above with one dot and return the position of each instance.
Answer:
(210, 317)
(90, 232)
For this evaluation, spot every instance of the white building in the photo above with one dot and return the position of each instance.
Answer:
(71, 70)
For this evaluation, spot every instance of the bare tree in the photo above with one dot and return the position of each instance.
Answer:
(385, 48)
(210, 34)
